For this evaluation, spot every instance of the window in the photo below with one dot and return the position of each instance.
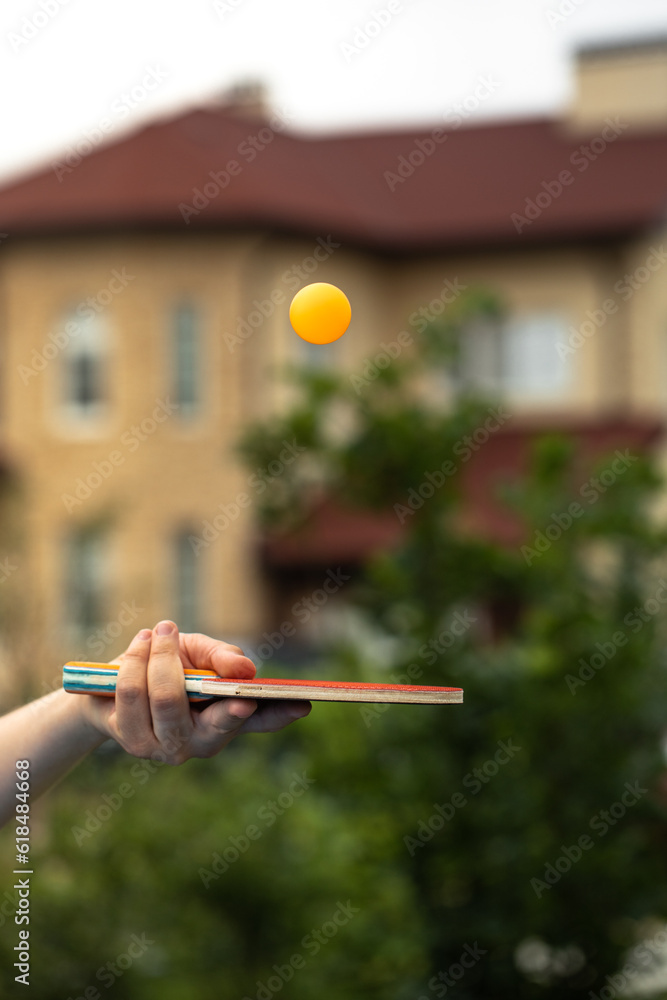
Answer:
(480, 361)
(316, 357)
(516, 357)
(186, 358)
(85, 580)
(532, 363)
(186, 581)
(84, 366)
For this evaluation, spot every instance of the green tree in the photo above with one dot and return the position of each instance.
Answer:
(532, 817)
(432, 851)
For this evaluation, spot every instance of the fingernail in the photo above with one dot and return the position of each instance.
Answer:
(164, 628)
(144, 634)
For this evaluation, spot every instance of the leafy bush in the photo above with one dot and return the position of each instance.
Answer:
(512, 847)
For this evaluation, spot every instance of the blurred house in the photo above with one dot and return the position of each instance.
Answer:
(144, 292)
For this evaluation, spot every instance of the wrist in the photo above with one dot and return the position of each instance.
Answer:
(86, 718)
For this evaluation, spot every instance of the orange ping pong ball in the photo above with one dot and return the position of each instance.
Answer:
(320, 313)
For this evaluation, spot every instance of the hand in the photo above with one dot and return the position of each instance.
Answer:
(151, 715)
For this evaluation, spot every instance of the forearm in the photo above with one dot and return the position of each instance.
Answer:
(52, 734)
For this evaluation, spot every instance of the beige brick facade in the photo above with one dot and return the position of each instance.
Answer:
(145, 472)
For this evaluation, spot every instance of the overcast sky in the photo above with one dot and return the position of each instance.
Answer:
(331, 65)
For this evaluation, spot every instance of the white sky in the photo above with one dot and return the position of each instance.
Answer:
(88, 53)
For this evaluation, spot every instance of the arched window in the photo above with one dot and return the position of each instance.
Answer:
(84, 363)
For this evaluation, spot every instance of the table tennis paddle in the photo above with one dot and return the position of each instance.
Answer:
(80, 677)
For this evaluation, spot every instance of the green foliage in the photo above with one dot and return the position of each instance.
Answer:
(573, 679)
(225, 868)
(436, 824)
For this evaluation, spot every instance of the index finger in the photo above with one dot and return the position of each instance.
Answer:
(205, 653)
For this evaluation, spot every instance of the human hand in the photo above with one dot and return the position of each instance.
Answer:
(151, 714)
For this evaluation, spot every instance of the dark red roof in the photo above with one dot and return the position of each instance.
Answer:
(463, 194)
(505, 458)
(333, 533)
